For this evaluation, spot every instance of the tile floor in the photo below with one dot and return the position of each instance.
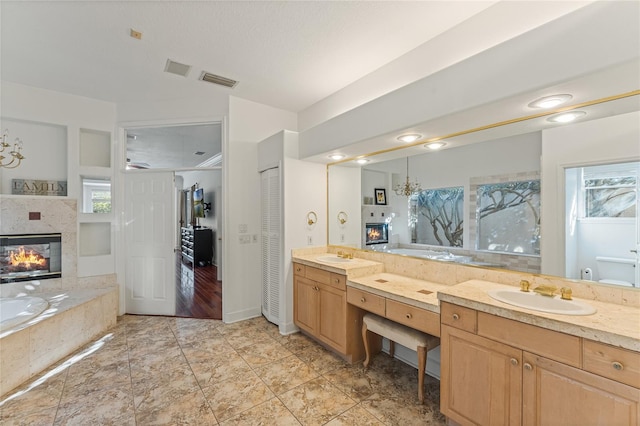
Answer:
(159, 370)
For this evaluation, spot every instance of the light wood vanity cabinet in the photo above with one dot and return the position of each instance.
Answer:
(496, 371)
(320, 309)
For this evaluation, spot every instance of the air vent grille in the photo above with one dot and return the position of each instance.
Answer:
(177, 68)
(216, 79)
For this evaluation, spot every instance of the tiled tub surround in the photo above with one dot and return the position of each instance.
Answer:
(73, 318)
(81, 307)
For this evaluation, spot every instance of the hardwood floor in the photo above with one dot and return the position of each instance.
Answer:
(198, 292)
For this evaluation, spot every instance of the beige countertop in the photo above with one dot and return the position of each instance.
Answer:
(617, 325)
(352, 268)
(401, 289)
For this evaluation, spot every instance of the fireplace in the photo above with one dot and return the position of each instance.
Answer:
(376, 233)
(30, 257)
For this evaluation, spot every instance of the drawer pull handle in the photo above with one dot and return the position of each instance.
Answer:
(408, 316)
(337, 280)
(456, 317)
(618, 366)
(528, 366)
(362, 300)
(514, 361)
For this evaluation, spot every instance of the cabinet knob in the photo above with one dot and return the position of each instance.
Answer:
(456, 317)
(618, 366)
(513, 361)
(298, 269)
(409, 316)
(337, 280)
(528, 366)
(316, 288)
(362, 300)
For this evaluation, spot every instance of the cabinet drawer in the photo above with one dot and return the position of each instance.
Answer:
(419, 319)
(298, 270)
(338, 281)
(365, 300)
(548, 343)
(317, 274)
(615, 363)
(458, 317)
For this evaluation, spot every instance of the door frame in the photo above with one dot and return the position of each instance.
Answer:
(119, 185)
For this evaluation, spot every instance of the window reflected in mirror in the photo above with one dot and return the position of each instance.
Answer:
(96, 195)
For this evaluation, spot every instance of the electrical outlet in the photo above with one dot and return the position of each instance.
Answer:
(244, 239)
(309, 240)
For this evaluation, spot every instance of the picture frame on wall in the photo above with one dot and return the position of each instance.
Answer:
(380, 196)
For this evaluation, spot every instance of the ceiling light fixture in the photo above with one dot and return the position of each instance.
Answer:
(408, 188)
(336, 157)
(566, 117)
(435, 145)
(550, 101)
(16, 157)
(408, 138)
(362, 161)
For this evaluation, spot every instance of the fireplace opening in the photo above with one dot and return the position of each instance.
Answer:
(30, 256)
(376, 233)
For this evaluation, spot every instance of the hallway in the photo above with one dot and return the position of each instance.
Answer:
(198, 292)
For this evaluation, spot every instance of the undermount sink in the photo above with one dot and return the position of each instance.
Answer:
(333, 259)
(537, 302)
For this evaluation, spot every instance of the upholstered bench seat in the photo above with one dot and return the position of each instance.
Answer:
(405, 336)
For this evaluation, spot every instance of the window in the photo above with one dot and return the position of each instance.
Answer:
(610, 190)
(96, 195)
(436, 217)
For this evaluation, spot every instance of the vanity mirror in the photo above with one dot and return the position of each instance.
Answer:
(527, 173)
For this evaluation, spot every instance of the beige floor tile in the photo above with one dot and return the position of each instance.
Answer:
(113, 406)
(320, 359)
(272, 412)
(263, 352)
(356, 416)
(205, 348)
(401, 411)
(355, 382)
(35, 418)
(232, 397)
(188, 408)
(246, 337)
(296, 342)
(285, 374)
(154, 391)
(82, 380)
(37, 394)
(219, 368)
(316, 402)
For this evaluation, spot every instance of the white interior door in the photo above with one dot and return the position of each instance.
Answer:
(150, 214)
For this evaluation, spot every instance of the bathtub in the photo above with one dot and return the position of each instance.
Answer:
(16, 310)
(68, 320)
(430, 254)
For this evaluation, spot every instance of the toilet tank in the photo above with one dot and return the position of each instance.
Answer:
(616, 268)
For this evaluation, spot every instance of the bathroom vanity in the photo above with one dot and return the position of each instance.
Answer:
(500, 364)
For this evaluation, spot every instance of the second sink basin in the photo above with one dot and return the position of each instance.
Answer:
(537, 302)
(332, 259)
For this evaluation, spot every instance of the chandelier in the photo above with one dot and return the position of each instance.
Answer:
(15, 157)
(408, 188)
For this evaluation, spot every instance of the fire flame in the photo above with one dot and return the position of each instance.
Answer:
(28, 260)
(374, 234)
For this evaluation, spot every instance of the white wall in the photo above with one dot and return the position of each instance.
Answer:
(608, 140)
(249, 123)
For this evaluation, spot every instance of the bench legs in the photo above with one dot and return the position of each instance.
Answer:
(422, 363)
(367, 350)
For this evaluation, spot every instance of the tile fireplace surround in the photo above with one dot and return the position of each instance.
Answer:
(90, 304)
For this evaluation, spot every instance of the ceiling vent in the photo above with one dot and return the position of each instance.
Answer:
(216, 79)
(199, 153)
(177, 68)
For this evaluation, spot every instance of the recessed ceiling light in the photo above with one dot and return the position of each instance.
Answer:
(362, 161)
(550, 101)
(336, 156)
(435, 145)
(566, 117)
(410, 137)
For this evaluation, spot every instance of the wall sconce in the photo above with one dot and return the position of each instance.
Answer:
(342, 218)
(312, 218)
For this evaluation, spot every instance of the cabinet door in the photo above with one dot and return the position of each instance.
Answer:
(481, 380)
(306, 304)
(557, 394)
(332, 317)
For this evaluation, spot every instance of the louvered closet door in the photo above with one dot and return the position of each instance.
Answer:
(271, 229)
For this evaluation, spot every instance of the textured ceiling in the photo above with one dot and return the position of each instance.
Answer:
(287, 54)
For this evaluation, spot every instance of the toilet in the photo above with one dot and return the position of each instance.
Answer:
(616, 270)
